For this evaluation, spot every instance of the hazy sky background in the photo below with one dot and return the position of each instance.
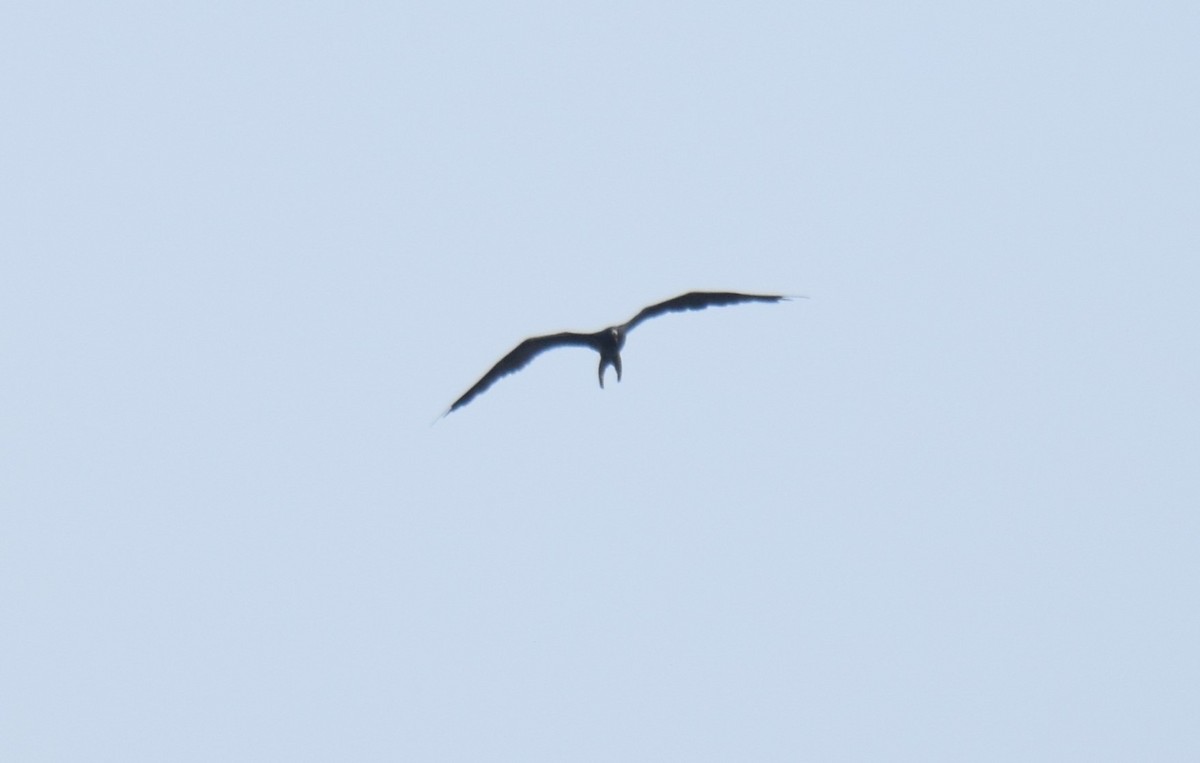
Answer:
(944, 510)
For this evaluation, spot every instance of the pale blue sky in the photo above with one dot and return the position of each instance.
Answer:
(945, 510)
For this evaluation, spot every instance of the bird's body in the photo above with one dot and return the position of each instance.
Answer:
(607, 342)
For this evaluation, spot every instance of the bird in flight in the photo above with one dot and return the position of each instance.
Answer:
(608, 342)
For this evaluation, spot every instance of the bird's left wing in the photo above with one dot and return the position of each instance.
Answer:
(519, 357)
(698, 300)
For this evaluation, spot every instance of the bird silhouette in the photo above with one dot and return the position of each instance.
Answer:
(608, 342)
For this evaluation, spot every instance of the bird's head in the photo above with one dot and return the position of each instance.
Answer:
(617, 336)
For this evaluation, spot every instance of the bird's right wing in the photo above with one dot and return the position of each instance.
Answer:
(519, 357)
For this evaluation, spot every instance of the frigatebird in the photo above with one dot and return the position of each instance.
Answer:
(608, 342)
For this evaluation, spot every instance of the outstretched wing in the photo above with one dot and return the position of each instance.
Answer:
(698, 300)
(519, 357)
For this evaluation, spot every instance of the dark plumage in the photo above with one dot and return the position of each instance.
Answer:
(608, 342)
